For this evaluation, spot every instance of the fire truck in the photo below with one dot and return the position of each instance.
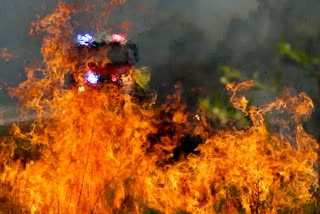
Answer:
(109, 61)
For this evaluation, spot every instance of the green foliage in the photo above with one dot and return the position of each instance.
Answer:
(231, 74)
(294, 54)
(220, 107)
(298, 56)
(142, 77)
(222, 110)
(309, 64)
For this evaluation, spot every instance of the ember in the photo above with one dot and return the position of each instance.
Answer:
(6, 56)
(98, 152)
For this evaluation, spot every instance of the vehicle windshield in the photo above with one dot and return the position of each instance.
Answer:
(118, 54)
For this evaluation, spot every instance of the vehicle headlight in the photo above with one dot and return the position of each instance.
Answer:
(92, 77)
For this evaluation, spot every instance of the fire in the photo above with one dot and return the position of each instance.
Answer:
(102, 152)
(6, 56)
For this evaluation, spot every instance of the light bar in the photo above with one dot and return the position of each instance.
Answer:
(118, 37)
(85, 39)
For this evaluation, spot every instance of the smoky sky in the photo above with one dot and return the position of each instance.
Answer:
(181, 40)
(211, 17)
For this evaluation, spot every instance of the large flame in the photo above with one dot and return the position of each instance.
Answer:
(100, 152)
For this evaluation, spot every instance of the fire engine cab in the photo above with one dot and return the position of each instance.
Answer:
(106, 61)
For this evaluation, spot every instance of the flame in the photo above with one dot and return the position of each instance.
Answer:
(102, 152)
(6, 56)
(125, 25)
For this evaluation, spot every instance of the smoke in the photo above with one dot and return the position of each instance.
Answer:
(178, 38)
(210, 17)
(181, 40)
(162, 22)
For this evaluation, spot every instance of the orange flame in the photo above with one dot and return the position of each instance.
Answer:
(6, 56)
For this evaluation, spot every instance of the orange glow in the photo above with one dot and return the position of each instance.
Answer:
(143, 9)
(104, 153)
(125, 25)
(6, 56)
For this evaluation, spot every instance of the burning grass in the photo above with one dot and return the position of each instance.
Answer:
(97, 156)
(99, 151)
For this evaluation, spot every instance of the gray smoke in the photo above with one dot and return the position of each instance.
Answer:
(181, 40)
